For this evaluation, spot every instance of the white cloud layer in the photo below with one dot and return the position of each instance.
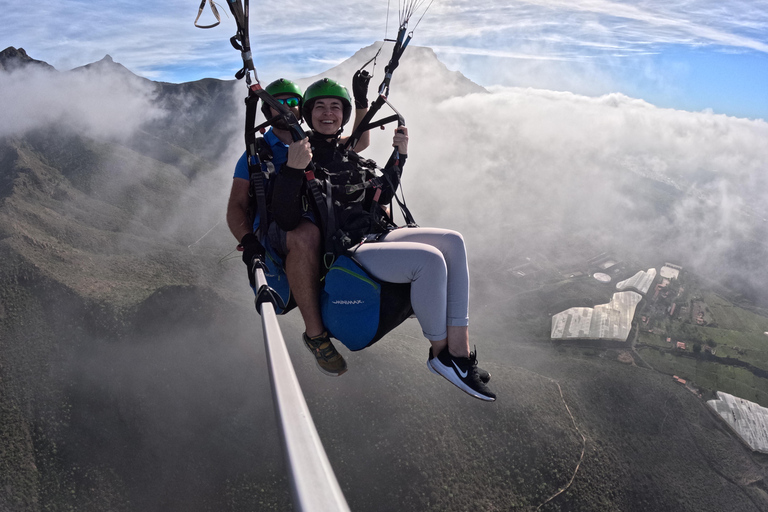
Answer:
(521, 171)
(95, 103)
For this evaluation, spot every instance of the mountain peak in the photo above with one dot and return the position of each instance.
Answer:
(16, 58)
(106, 64)
(420, 71)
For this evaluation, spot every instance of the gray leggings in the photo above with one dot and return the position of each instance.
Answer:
(434, 261)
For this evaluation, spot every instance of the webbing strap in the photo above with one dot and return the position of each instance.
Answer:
(407, 216)
(324, 205)
(215, 14)
(400, 44)
(255, 173)
(241, 41)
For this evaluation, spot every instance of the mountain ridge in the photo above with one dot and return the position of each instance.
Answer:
(16, 58)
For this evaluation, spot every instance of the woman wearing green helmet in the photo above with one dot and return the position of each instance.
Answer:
(325, 92)
(432, 260)
(327, 89)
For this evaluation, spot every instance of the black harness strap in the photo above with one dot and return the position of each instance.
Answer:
(323, 200)
(409, 220)
(241, 41)
(390, 177)
(400, 44)
(255, 172)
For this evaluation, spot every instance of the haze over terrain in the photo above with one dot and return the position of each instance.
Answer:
(133, 374)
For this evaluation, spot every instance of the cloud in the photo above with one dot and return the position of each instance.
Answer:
(99, 104)
(515, 169)
(160, 157)
(522, 171)
(159, 40)
(703, 21)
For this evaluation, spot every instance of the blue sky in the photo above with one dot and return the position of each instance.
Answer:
(690, 55)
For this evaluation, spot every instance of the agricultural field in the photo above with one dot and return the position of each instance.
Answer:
(726, 346)
(711, 376)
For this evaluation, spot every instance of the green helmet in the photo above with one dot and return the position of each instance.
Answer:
(281, 86)
(326, 88)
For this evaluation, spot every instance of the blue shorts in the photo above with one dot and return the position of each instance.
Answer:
(275, 241)
(276, 248)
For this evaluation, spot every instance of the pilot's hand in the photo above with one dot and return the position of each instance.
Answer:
(252, 250)
(400, 140)
(299, 154)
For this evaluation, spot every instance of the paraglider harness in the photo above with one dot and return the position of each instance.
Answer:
(358, 309)
(337, 241)
(258, 151)
(382, 306)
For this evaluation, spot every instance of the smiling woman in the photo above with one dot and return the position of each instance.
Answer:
(327, 106)
(327, 115)
(352, 202)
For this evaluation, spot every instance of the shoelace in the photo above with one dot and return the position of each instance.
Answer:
(326, 353)
(473, 361)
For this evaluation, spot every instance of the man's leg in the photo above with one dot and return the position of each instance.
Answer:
(302, 267)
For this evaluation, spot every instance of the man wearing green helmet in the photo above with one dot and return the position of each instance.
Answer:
(432, 260)
(293, 256)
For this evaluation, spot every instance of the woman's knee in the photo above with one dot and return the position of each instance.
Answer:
(453, 246)
(430, 262)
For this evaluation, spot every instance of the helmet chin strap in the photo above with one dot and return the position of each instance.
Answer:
(335, 136)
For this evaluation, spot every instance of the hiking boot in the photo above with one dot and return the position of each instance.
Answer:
(329, 361)
(462, 373)
(484, 375)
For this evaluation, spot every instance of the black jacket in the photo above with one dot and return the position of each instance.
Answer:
(356, 211)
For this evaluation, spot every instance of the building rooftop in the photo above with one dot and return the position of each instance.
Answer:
(641, 281)
(747, 419)
(611, 321)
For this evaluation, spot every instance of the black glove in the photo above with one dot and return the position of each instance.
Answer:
(360, 88)
(252, 249)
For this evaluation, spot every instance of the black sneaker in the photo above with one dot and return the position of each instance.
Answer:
(462, 373)
(329, 361)
(484, 375)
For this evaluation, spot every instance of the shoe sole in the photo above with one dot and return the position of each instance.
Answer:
(329, 373)
(458, 383)
(323, 370)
